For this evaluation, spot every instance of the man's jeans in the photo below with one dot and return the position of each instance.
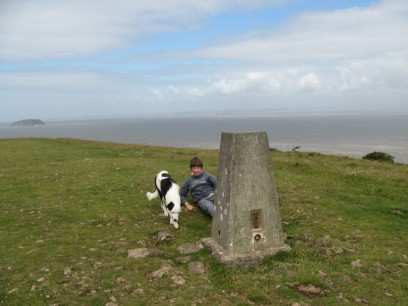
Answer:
(207, 205)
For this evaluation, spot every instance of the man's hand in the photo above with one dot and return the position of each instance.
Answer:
(188, 206)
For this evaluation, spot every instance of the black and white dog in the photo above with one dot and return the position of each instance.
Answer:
(168, 191)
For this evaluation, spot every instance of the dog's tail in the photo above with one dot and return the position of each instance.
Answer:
(151, 195)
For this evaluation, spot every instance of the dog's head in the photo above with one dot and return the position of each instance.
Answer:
(174, 211)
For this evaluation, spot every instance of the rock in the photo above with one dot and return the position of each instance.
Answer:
(361, 301)
(141, 243)
(327, 252)
(309, 290)
(279, 271)
(163, 236)
(183, 259)
(356, 263)
(380, 269)
(165, 268)
(178, 280)
(121, 280)
(291, 273)
(138, 292)
(322, 274)
(142, 253)
(67, 271)
(15, 290)
(197, 266)
(338, 251)
(190, 248)
(351, 251)
(308, 238)
(326, 240)
(346, 279)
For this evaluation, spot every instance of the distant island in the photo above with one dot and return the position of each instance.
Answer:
(28, 122)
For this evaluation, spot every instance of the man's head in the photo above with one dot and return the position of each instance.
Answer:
(196, 166)
(196, 162)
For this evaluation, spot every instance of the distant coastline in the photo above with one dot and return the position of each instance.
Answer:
(345, 134)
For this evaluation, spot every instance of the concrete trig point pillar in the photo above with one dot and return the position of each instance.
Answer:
(246, 223)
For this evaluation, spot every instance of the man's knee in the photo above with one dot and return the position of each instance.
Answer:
(206, 207)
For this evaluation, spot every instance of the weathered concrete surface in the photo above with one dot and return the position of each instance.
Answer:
(246, 224)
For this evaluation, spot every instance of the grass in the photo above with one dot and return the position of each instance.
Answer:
(72, 209)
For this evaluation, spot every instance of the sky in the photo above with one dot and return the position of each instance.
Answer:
(74, 59)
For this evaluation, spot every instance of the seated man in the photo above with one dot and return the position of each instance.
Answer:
(201, 186)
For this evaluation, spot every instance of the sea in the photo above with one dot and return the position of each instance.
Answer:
(353, 135)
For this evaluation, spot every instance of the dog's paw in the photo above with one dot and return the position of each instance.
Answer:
(175, 225)
(149, 196)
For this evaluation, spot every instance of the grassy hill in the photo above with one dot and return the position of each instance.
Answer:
(72, 209)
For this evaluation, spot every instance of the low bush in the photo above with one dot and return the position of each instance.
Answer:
(380, 156)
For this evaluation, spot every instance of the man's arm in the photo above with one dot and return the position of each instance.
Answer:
(212, 179)
(183, 195)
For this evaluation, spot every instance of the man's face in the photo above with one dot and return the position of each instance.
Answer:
(196, 171)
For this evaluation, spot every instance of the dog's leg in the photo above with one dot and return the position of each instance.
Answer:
(152, 195)
(163, 206)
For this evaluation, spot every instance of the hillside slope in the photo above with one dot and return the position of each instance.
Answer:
(72, 210)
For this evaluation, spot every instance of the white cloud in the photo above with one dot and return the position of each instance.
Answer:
(330, 53)
(195, 92)
(69, 29)
(309, 82)
(174, 90)
(224, 86)
(321, 36)
(256, 76)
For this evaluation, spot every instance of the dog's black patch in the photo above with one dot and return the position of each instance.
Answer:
(157, 188)
(170, 206)
(165, 185)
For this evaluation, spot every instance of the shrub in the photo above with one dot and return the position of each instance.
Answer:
(380, 156)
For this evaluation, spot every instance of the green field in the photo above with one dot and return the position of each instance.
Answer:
(71, 210)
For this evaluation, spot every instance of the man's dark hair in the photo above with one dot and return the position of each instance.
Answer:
(196, 162)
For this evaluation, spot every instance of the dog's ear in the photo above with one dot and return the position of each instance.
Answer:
(165, 175)
(170, 206)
